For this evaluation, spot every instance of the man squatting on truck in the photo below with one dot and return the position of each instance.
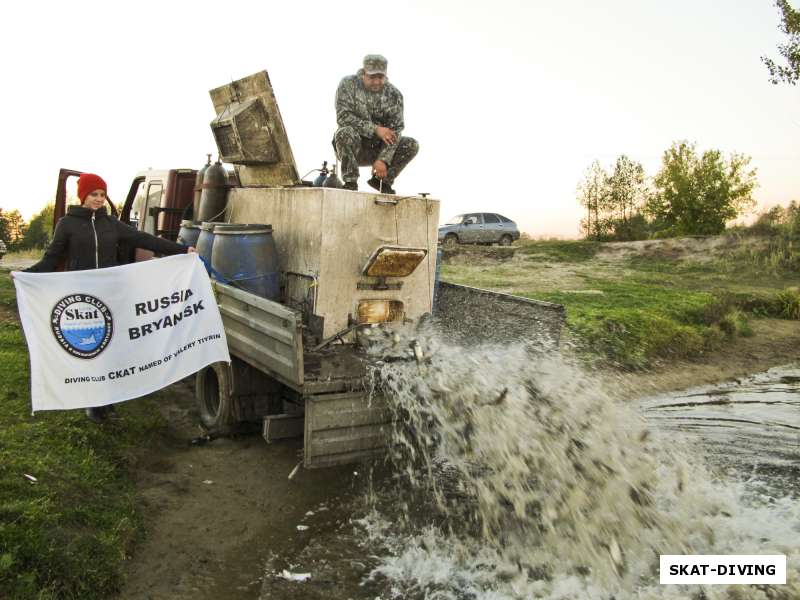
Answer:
(369, 113)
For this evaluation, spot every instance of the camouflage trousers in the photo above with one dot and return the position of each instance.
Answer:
(354, 151)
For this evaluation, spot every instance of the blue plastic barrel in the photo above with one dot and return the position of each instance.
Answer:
(189, 232)
(205, 239)
(245, 255)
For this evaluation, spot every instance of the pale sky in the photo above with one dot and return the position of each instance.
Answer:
(510, 101)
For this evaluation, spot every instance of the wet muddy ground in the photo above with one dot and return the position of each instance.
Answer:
(216, 514)
(225, 522)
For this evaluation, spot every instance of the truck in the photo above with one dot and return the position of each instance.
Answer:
(350, 264)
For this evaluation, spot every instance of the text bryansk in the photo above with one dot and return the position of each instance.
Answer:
(170, 320)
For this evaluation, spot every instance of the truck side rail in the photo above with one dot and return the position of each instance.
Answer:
(472, 315)
(263, 333)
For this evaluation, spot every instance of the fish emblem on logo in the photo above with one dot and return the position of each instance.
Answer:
(82, 324)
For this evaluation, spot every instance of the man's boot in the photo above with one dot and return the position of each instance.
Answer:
(381, 185)
(96, 414)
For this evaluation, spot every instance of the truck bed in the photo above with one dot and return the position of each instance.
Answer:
(342, 422)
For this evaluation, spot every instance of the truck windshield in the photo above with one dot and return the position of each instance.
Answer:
(456, 220)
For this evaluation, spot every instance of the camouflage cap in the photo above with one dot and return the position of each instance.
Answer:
(375, 63)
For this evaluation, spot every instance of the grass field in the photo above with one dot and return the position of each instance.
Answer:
(636, 303)
(67, 534)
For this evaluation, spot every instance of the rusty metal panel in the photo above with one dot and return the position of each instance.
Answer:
(345, 458)
(345, 428)
(279, 427)
(264, 334)
(249, 130)
(349, 411)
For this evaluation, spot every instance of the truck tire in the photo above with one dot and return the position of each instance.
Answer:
(506, 240)
(450, 241)
(214, 398)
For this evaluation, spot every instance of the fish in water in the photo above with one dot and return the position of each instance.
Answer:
(88, 340)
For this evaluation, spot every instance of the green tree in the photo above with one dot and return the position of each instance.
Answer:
(790, 25)
(627, 193)
(40, 229)
(593, 195)
(699, 194)
(4, 229)
(12, 227)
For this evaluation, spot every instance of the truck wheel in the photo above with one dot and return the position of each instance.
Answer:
(214, 401)
(450, 241)
(506, 240)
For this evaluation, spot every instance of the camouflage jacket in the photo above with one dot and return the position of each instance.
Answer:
(363, 110)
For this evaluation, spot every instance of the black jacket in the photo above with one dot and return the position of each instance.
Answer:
(89, 240)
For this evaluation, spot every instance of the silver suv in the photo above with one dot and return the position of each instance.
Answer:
(3, 249)
(478, 228)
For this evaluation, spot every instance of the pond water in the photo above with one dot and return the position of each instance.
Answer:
(518, 476)
(748, 429)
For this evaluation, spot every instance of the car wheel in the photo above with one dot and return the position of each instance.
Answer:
(506, 240)
(450, 241)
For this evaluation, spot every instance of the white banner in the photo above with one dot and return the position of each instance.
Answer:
(106, 335)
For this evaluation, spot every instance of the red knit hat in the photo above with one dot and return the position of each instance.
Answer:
(89, 182)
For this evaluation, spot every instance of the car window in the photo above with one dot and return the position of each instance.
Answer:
(477, 219)
(138, 205)
(457, 220)
(153, 199)
(490, 218)
(505, 219)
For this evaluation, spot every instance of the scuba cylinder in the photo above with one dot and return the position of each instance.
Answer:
(323, 173)
(332, 180)
(198, 188)
(214, 197)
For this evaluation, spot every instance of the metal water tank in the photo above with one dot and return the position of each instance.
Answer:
(198, 189)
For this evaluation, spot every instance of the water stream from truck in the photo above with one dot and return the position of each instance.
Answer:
(515, 475)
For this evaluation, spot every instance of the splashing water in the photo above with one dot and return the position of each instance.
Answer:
(521, 478)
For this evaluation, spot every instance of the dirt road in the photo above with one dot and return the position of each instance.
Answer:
(215, 514)
(13, 263)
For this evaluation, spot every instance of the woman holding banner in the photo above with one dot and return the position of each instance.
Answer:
(88, 238)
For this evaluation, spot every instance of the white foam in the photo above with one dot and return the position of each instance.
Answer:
(544, 486)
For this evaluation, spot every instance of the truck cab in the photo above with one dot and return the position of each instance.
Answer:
(156, 202)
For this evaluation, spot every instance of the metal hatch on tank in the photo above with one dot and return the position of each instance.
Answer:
(394, 261)
(248, 130)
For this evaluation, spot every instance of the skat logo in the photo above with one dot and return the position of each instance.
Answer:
(82, 325)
